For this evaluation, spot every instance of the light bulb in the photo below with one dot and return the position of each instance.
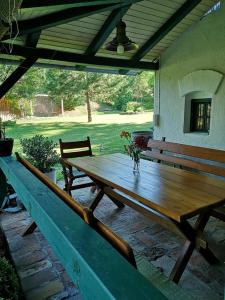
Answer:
(120, 49)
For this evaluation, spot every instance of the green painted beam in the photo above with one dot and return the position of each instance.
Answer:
(106, 30)
(71, 68)
(80, 59)
(16, 75)
(76, 3)
(93, 264)
(59, 17)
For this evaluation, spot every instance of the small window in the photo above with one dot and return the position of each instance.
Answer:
(200, 115)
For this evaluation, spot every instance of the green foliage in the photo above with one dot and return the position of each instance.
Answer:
(40, 151)
(9, 284)
(77, 88)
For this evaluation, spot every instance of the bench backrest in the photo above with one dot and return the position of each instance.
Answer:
(119, 244)
(210, 160)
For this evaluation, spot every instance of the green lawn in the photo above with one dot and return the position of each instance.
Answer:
(104, 131)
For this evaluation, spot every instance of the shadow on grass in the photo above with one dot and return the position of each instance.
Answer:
(105, 138)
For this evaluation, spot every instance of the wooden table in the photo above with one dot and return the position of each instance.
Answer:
(166, 194)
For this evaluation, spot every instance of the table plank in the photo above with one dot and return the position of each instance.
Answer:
(177, 194)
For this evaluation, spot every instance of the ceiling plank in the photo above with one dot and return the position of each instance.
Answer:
(60, 17)
(16, 75)
(106, 30)
(77, 58)
(181, 13)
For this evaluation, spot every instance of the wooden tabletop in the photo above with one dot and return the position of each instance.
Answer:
(175, 193)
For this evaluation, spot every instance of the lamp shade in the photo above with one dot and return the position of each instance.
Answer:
(121, 43)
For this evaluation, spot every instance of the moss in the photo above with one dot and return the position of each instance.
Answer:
(9, 283)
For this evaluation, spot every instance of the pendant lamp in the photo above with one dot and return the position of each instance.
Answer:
(121, 43)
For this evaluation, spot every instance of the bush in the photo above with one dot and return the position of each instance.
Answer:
(10, 123)
(9, 283)
(40, 152)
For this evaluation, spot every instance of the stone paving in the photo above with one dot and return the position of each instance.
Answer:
(43, 277)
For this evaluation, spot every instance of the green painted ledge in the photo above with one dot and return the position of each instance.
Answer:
(96, 268)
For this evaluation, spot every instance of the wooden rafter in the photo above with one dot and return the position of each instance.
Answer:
(16, 75)
(77, 58)
(32, 39)
(106, 30)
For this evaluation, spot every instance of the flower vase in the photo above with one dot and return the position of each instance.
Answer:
(136, 165)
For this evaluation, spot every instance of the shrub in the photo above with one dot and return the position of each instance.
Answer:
(40, 151)
(9, 283)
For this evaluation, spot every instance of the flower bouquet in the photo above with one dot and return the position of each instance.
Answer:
(133, 148)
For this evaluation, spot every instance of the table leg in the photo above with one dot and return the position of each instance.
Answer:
(115, 201)
(192, 234)
(97, 199)
(100, 195)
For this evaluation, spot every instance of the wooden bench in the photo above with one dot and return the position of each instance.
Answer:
(87, 251)
(193, 158)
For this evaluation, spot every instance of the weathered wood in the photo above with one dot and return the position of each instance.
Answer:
(95, 267)
(161, 188)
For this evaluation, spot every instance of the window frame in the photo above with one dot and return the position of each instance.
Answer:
(194, 116)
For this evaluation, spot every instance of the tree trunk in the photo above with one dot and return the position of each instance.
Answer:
(88, 101)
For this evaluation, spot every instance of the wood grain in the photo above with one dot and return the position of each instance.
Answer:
(175, 193)
(194, 151)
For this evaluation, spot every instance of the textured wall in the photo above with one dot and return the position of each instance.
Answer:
(202, 47)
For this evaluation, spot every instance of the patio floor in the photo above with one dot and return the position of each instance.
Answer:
(43, 277)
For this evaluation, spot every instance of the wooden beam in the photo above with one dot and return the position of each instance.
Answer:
(181, 13)
(71, 68)
(93, 264)
(77, 58)
(106, 30)
(76, 3)
(59, 17)
(16, 75)
(32, 39)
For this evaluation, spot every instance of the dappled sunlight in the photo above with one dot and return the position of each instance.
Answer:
(104, 131)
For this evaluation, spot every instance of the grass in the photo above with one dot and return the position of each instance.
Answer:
(104, 131)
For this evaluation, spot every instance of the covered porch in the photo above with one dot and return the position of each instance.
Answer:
(72, 36)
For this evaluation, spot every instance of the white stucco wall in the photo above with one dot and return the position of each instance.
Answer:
(202, 47)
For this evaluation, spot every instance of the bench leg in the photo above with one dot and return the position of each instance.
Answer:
(30, 229)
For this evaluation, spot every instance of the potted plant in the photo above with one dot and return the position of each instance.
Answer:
(6, 144)
(41, 153)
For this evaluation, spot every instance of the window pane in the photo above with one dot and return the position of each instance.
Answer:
(200, 115)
